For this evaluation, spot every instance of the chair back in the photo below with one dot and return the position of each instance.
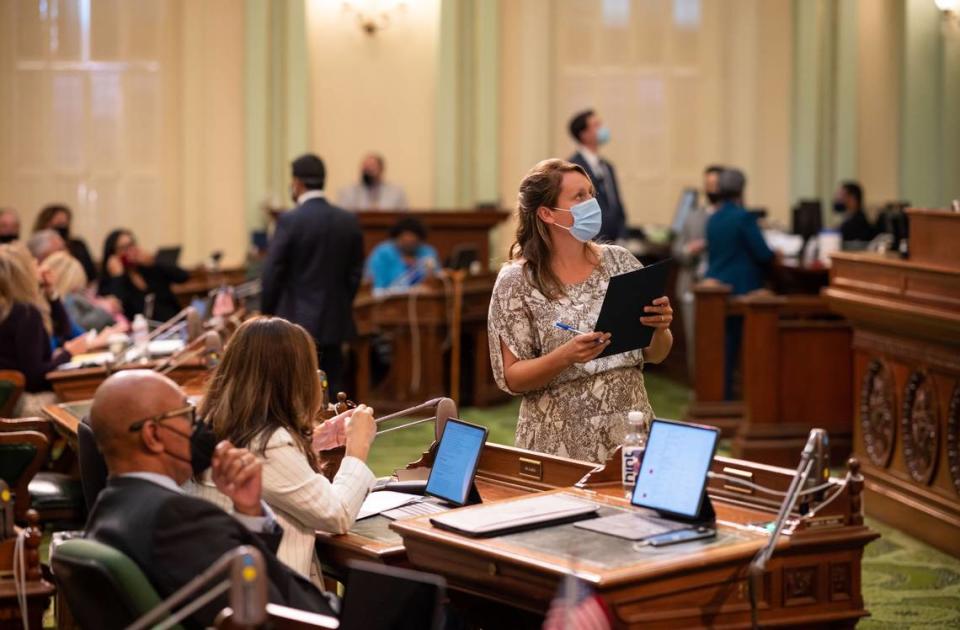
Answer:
(103, 587)
(11, 387)
(93, 467)
(22, 454)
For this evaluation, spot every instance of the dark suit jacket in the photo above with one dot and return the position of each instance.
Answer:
(174, 537)
(614, 219)
(313, 270)
(736, 251)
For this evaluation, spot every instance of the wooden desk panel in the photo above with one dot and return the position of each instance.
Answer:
(81, 383)
(446, 229)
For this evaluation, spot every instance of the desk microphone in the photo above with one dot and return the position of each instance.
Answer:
(815, 453)
(819, 443)
(6, 512)
(193, 324)
(246, 580)
(445, 407)
(208, 345)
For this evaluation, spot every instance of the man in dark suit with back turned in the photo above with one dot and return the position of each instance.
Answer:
(143, 424)
(589, 133)
(314, 266)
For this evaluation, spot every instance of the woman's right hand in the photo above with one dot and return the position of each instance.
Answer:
(583, 348)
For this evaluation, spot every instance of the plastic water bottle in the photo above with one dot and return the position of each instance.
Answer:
(141, 330)
(633, 444)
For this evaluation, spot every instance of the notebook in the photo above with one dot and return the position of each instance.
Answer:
(623, 304)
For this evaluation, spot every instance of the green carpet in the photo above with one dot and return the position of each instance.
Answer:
(906, 583)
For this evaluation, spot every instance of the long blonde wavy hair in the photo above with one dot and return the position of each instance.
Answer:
(19, 283)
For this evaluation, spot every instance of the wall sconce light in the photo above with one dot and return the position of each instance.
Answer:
(374, 15)
(950, 9)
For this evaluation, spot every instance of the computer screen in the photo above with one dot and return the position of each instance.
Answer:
(381, 597)
(674, 469)
(456, 461)
(686, 204)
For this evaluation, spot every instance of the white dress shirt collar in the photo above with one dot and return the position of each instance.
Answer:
(310, 194)
(592, 159)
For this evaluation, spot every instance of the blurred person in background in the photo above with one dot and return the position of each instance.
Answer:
(131, 274)
(58, 217)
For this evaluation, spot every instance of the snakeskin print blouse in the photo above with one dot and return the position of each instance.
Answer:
(582, 412)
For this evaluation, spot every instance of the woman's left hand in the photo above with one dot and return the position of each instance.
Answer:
(661, 314)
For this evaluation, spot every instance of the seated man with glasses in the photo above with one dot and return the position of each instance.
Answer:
(149, 435)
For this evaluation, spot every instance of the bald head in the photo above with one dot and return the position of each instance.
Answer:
(125, 398)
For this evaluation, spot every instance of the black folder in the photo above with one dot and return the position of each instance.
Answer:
(623, 305)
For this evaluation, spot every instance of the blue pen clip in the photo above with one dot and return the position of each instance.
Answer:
(569, 328)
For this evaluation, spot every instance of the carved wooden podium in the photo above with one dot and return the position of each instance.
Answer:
(906, 318)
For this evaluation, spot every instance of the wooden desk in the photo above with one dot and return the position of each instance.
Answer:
(906, 344)
(795, 365)
(418, 324)
(813, 578)
(202, 281)
(66, 416)
(81, 383)
(446, 229)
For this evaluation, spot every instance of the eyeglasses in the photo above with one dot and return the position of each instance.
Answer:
(190, 411)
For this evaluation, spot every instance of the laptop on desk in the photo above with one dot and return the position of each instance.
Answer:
(671, 484)
(451, 481)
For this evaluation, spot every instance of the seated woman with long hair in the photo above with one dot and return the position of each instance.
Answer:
(264, 396)
(29, 315)
(131, 274)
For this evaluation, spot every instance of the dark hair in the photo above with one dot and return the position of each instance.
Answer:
(46, 215)
(578, 123)
(540, 188)
(713, 168)
(110, 248)
(853, 189)
(408, 224)
(730, 184)
(309, 169)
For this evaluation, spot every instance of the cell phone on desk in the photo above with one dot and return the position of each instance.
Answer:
(683, 535)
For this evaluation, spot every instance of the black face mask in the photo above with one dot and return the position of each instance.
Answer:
(368, 179)
(409, 250)
(63, 231)
(713, 198)
(839, 207)
(8, 238)
(202, 443)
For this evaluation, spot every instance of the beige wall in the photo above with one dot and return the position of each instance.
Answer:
(375, 93)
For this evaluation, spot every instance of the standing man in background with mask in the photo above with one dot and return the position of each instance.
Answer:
(689, 250)
(589, 132)
(314, 266)
(372, 192)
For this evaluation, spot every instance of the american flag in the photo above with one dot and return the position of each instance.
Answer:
(577, 607)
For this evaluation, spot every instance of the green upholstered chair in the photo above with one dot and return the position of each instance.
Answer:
(57, 497)
(11, 386)
(22, 455)
(103, 587)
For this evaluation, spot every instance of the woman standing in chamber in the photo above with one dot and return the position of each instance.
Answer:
(574, 404)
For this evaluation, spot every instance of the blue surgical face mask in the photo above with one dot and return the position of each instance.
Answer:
(603, 135)
(586, 219)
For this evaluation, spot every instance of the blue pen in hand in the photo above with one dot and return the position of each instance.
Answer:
(570, 328)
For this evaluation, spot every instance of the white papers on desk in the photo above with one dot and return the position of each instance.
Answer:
(787, 244)
(384, 500)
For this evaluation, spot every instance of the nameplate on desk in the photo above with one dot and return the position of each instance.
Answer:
(531, 468)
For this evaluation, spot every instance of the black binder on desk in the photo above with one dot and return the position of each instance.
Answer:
(515, 516)
(623, 304)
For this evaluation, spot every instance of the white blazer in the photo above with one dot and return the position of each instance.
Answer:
(303, 500)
